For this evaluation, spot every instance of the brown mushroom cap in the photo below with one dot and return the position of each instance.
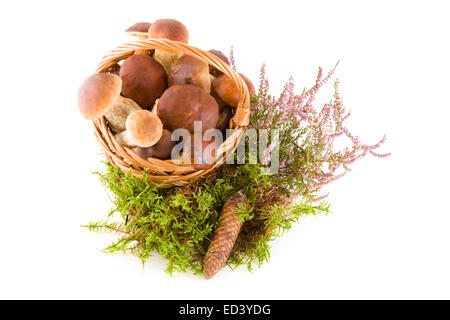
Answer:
(143, 80)
(139, 29)
(161, 150)
(144, 129)
(97, 94)
(169, 29)
(181, 105)
(213, 70)
(228, 92)
(190, 70)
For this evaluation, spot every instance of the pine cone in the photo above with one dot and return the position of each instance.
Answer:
(224, 236)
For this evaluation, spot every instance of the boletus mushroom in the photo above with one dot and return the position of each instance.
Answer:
(168, 29)
(227, 91)
(213, 70)
(140, 31)
(99, 95)
(161, 150)
(190, 70)
(143, 80)
(144, 128)
(181, 105)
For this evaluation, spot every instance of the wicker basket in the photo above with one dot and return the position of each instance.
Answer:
(167, 172)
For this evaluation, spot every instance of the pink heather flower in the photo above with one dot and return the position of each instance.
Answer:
(378, 155)
(270, 148)
(320, 198)
(231, 59)
(283, 164)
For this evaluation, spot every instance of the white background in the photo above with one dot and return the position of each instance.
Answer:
(388, 236)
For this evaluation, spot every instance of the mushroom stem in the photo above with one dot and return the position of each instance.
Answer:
(155, 107)
(165, 59)
(123, 140)
(118, 113)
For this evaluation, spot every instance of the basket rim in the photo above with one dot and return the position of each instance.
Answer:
(166, 172)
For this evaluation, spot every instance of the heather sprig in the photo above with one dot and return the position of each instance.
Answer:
(231, 59)
(309, 158)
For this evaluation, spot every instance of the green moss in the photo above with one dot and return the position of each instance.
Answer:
(179, 222)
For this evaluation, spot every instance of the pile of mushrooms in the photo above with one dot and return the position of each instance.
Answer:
(152, 93)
